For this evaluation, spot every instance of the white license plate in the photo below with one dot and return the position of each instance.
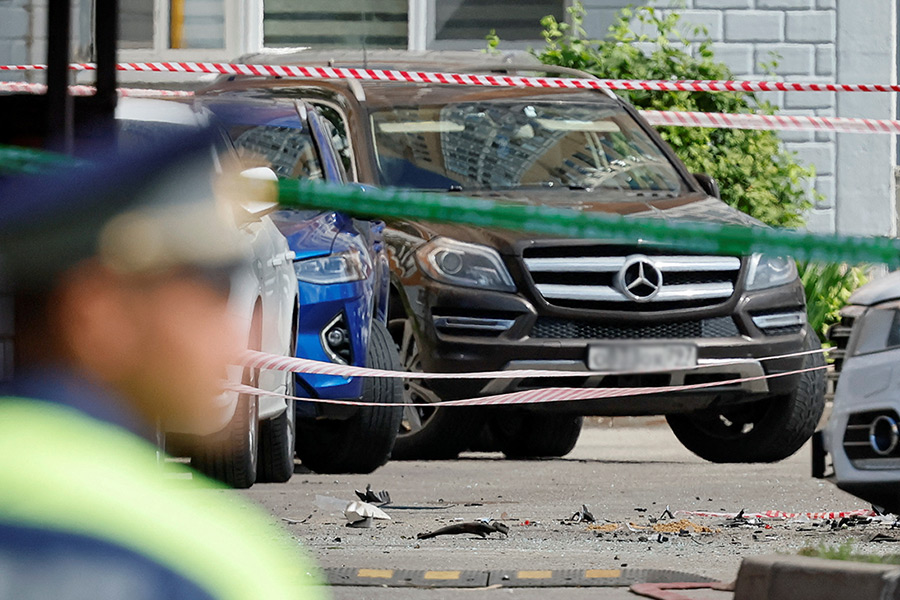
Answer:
(641, 358)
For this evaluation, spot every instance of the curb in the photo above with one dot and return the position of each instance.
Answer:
(802, 578)
(349, 576)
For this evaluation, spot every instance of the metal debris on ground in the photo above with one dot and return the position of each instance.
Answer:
(381, 498)
(478, 528)
(583, 516)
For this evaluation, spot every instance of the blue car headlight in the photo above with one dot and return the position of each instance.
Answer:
(334, 268)
(469, 265)
(766, 271)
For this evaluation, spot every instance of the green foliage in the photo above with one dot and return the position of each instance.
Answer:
(754, 172)
(845, 552)
(828, 287)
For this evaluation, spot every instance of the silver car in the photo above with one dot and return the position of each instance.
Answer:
(252, 437)
(862, 437)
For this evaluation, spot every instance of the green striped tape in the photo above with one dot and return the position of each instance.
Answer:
(703, 238)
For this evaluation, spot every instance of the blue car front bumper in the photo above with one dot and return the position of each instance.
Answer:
(320, 305)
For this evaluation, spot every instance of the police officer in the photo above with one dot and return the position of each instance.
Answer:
(119, 273)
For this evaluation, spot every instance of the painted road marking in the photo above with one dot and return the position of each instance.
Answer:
(545, 578)
(442, 575)
(602, 573)
(375, 573)
(534, 575)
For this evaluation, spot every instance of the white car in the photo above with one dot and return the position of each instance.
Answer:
(862, 437)
(252, 437)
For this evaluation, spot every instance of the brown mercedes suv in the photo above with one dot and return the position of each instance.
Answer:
(473, 299)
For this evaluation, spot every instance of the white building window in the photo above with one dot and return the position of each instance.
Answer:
(183, 29)
(336, 23)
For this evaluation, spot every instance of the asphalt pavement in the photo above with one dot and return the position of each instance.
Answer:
(626, 475)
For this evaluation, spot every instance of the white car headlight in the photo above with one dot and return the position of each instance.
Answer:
(766, 271)
(334, 268)
(469, 265)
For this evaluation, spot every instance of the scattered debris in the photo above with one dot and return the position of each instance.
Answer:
(330, 504)
(295, 521)
(881, 537)
(381, 498)
(606, 527)
(361, 514)
(682, 525)
(478, 528)
(666, 514)
(583, 516)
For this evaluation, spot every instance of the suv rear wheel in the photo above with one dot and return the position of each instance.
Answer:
(363, 442)
(765, 431)
(426, 432)
(524, 435)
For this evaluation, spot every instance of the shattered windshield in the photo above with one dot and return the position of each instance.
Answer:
(496, 145)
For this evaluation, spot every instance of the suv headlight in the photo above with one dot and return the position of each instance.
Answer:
(334, 268)
(469, 265)
(767, 271)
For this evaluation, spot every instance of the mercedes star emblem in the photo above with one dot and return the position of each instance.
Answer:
(639, 278)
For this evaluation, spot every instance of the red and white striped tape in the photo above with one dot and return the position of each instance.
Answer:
(777, 514)
(274, 362)
(310, 72)
(537, 396)
(654, 117)
(88, 90)
(770, 122)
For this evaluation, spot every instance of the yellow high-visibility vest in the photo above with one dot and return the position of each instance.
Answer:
(65, 473)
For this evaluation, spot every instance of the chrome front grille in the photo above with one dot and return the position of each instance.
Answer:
(623, 279)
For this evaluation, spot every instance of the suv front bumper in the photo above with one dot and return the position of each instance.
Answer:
(455, 348)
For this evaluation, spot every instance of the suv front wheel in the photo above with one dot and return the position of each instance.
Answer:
(428, 433)
(766, 431)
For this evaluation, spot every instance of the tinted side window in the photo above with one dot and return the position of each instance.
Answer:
(286, 150)
(340, 137)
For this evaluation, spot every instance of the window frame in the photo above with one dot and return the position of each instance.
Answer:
(242, 34)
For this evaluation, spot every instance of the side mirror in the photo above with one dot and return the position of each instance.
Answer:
(259, 188)
(708, 185)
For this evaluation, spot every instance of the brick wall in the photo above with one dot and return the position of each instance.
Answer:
(15, 25)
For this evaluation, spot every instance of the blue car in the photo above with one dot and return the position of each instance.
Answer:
(341, 268)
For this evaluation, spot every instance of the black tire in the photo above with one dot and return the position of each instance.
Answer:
(428, 433)
(524, 435)
(765, 431)
(276, 445)
(231, 456)
(363, 442)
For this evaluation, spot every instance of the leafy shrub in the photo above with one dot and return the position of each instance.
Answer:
(828, 287)
(755, 173)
